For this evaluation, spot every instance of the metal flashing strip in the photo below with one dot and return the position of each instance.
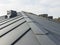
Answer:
(10, 20)
(12, 29)
(10, 23)
(21, 36)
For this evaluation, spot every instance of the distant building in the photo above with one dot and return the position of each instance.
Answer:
(50, 17)
(44, 15)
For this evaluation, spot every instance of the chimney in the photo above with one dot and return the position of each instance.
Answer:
(11, 14)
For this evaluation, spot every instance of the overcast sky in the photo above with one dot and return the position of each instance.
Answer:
(51, 7)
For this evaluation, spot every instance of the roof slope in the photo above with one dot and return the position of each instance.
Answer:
(49, 27)
(29, 29)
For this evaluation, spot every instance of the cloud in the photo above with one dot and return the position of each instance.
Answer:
(4, 1)
(54, 12)
(52, 7)
(31, 2)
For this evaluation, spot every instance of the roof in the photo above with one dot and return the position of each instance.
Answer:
(29, 29)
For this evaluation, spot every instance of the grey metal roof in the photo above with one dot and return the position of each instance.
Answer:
(29, 29)
(52, 29)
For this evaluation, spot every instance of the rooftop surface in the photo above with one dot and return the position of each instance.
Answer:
(29, 29)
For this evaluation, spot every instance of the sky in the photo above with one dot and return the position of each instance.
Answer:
(50, 7)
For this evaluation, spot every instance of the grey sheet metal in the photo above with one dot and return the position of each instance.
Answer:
(46, 25)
